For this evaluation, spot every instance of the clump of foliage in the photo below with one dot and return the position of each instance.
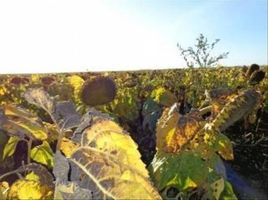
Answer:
(98, 161)
(56, 146)
(201, 54)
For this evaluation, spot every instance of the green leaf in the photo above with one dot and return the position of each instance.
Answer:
(10, 146)
(224, 147)
(32, 177)
(183, 171)
(228, 193)
(43, 154)
(163, 97)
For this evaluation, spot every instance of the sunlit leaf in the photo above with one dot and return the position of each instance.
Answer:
(43, 154)
(182, 171)
(224, 147)
(109, 177)
(163, 97)
(77, 83)
(174, 130)
(29, 189)
(10, 146)
(68, 147)
(166, 132)
(32, 177)
(39, 173)
(110, 138)
(108, 163)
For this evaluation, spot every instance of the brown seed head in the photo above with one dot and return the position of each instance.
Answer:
(98, 91)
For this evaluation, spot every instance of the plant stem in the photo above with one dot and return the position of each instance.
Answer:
(205, 110)
(10, 173)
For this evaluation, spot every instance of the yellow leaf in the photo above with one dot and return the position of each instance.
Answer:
(189, 183)
(174, 130)
(68, 147)
(76, 82)
(109, 137)
(110, 159)
(32, 177)
(4, 188)
(29, 189)
(112, 177)
(165, 137)
(164, 97)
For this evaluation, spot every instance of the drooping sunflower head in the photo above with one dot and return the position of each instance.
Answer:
(97, 91)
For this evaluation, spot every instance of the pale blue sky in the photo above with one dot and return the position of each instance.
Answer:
(64, 35)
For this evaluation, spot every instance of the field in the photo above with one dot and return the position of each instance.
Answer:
(160, 134)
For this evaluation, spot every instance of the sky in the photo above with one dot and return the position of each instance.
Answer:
(99, 35)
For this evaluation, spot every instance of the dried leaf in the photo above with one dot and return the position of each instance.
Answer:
(163, 97)
(20, 122)
(174, 130)
(108, 137)
(70, 190)
(237, 107)
(66, 115)
(4, 188)
(40, 98)
(109, 177)
(61, 167)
